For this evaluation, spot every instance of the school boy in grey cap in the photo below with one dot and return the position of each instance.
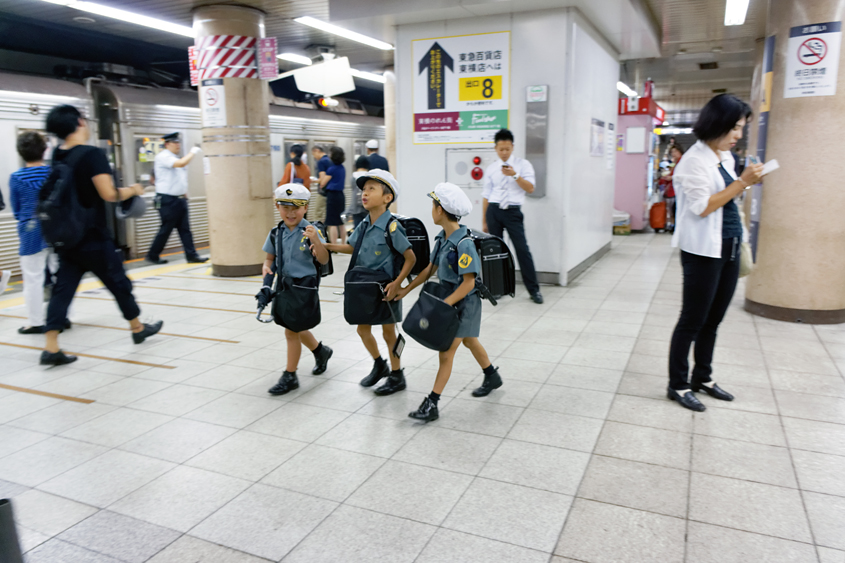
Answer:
(456, 263)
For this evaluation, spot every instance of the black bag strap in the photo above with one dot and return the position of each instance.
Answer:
(70, 161)
(279, 247)
(358, 244)
(483, 290)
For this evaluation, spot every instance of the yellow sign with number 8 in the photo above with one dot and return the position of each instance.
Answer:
(480, 88)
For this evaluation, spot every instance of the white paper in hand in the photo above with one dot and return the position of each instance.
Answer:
(770, 166)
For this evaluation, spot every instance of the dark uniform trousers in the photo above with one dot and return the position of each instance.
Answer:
(98, 254)
(511, 220)
(174, 215)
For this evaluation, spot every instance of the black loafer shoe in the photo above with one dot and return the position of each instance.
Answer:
(197, 260)
(149, 330)
(537, 298)
(493, 381)
(427, 411)
(287, 383)
(31, 330)
(322, 359)
(56, 359)
(68, 324)
(379, 371)
(716, 392)
(156, 260)
(394, 383)
(687, 400)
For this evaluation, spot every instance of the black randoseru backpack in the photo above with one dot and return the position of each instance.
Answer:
(498, 271)
(64, 220)
(417, 236)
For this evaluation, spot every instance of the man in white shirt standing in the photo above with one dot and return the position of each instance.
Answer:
(506, 182)
(171, 183)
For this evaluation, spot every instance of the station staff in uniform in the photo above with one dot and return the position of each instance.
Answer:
(375, 159)
(506, 182)
(172, 200)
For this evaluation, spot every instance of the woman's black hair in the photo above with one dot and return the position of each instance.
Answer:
(337, 156)
(719, 116)
(451, 217)
(296, 151)
(31, 146)
(63, 120)
(362, 162)
(503, 135)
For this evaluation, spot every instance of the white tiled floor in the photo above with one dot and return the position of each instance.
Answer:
(579, 457)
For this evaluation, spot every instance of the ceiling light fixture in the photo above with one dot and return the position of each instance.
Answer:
(622, 87)
(366, 75)
(123, 15)
(735, 11)
(342, 32)
(294, 58)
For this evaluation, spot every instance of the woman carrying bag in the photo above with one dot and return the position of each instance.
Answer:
(296, 171)
(710, 234)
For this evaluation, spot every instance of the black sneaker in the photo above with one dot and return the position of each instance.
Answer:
(288, 382)
(149, 330)
(395, 382)
(427, 411)
(156, 260)
(56, 359)
(380, 370)
(322, 359)
(492, 381)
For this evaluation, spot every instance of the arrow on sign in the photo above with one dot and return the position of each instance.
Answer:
(436, 60)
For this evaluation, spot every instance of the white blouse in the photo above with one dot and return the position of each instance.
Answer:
(695, 179)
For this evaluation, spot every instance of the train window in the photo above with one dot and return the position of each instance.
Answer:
(359, 149)
(292, 142)
(146, 149)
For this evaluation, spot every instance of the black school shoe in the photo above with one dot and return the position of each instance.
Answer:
(427, 411)
(379, 371)
(149, 330)
(395, 382)
(56, 359)
(31, 330)
(491, 382)
(686, 400)
(288, 382)
(322, 358)
(716, 392)
(197, 260)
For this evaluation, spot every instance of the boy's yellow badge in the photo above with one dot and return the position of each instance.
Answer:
(465, 261)
(378, 252)
(393, 226)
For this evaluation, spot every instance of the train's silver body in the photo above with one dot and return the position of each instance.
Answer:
(126, 119)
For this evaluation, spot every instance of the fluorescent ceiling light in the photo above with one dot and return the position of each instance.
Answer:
(123, 15)
(735, 11)
(348, 34)
(294, 58)
(366, 75)
(622, 87)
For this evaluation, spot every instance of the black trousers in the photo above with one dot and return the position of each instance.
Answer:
(511, 220)
(174, 215)
(99, 255)
(709, 285)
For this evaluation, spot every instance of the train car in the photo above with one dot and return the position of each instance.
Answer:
(128, 122)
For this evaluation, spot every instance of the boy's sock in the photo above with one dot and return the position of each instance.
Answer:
(318, 349)
(489, 370)
(434, 397)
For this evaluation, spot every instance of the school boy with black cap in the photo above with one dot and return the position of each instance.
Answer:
(456, 263)
(379, 189)
(297, 262)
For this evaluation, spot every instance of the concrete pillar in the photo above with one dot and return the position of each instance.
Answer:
(800, 270)
(239, 186)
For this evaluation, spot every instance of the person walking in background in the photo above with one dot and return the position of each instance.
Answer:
(95, 252)
(709, 233)
(506, 182)
(321, 164)
(296, 171)
(675, 154)
(5, 275)
(333, 181)
(35, 256)
(171, 199)
(356, 206)
(376, 160)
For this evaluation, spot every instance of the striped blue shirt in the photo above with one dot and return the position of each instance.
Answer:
(24, 187)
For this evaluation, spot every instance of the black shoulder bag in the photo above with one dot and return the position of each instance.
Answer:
(363, 294)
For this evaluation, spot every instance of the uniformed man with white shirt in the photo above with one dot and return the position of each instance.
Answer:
(506, 182)
(171, 183)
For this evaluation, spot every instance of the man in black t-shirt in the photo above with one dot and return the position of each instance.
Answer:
(96, 251)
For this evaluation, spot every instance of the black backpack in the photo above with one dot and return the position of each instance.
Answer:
(498, 271)
(418, 237)
(323, 270)
(64, 220)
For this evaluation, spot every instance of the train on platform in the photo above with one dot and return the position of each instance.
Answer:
(128, 121)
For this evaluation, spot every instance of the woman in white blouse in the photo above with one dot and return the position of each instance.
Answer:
(709, 232)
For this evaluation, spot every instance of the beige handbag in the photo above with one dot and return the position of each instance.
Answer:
(746, 258)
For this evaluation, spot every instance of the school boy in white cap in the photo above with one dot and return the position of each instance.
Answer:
(456, 262)
(297, 262)
(379, 189)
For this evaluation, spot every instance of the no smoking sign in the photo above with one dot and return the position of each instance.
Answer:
(812, 51)
(812, 64)
(211, 97)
